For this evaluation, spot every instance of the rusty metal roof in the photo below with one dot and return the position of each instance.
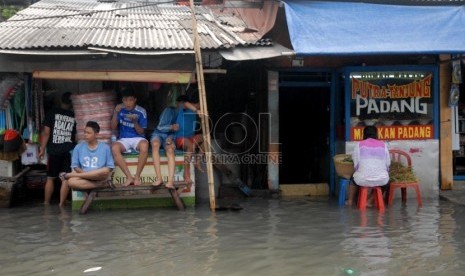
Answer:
(123, 24)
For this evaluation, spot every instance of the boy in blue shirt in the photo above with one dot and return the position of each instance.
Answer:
(186, 139)
(164, 135)
(91, 162)
(131, 121)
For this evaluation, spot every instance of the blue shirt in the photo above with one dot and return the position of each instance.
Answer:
(167, 118)
(89, 160)
(126, 125)
(187, 121)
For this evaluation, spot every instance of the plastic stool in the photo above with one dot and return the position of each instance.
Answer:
(363, 195)
(343, 184)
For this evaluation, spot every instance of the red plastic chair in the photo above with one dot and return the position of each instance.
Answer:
(398, 155)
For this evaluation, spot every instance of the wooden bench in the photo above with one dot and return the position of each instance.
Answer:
(91, 194)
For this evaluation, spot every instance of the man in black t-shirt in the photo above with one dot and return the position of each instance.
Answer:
(58, 136)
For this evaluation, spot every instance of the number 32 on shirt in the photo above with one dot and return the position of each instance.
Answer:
(90, 162)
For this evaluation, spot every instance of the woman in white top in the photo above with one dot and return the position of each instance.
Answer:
(371, 162)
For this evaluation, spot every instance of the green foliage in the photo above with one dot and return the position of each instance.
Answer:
(8, 11)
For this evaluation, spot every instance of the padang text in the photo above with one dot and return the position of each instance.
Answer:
(412, 105)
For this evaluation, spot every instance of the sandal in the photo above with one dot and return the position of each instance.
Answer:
(107, 184)
(170, 187)
(63, 176)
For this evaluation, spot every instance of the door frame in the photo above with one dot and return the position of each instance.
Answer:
(274, 83)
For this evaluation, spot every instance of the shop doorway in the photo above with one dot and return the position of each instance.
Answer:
(305, 149)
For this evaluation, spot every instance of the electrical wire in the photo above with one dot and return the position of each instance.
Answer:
(87, 13)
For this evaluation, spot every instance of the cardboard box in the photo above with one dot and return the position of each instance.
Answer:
(7, 168)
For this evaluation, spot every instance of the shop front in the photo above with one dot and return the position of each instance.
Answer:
(386, 67)
(148, 47)
(402, 102)
(331, 108)
(95, 100)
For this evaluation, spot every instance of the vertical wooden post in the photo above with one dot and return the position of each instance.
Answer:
(273, 143)
(203, 108)
(445, 136)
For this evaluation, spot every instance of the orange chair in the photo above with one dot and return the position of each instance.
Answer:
(378, 196)
(398, 155)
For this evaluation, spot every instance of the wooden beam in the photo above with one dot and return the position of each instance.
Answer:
(139, 76)
(445, 136)
(215, 71)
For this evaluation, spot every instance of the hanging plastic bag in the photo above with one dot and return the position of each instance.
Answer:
(31, 155)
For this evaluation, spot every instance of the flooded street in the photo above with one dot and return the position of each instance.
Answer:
(267, 237)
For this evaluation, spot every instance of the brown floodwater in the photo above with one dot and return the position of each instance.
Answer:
(268, 237)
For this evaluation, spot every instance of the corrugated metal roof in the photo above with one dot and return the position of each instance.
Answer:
(78, 24)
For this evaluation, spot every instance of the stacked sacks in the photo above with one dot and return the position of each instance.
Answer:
(95, 106)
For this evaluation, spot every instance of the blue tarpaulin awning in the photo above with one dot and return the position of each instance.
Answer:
(321, 28)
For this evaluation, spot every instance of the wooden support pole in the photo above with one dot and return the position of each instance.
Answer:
(445, 136)
(177, 200)
(203, 108)
(90, 197)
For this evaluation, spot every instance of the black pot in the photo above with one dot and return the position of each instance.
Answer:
(12, 145)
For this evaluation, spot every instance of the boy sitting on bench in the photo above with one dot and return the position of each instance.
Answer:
(91, 162)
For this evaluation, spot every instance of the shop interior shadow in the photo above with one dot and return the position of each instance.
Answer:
(304, 135)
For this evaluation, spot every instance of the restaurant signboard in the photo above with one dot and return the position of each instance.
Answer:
(399, 103)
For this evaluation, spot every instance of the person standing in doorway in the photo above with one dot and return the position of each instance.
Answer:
(164, 135)
(371, 162)
(58, 138)
(130, 120)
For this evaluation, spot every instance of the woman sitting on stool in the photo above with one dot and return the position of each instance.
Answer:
(371, 162)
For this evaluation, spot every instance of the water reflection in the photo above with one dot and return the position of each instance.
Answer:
(275, 237)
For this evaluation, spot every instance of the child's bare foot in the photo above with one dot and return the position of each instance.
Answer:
(157, 183)
(188, 180)
(169, 185)
(128, 182)
(348, 202)
(137, 181)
